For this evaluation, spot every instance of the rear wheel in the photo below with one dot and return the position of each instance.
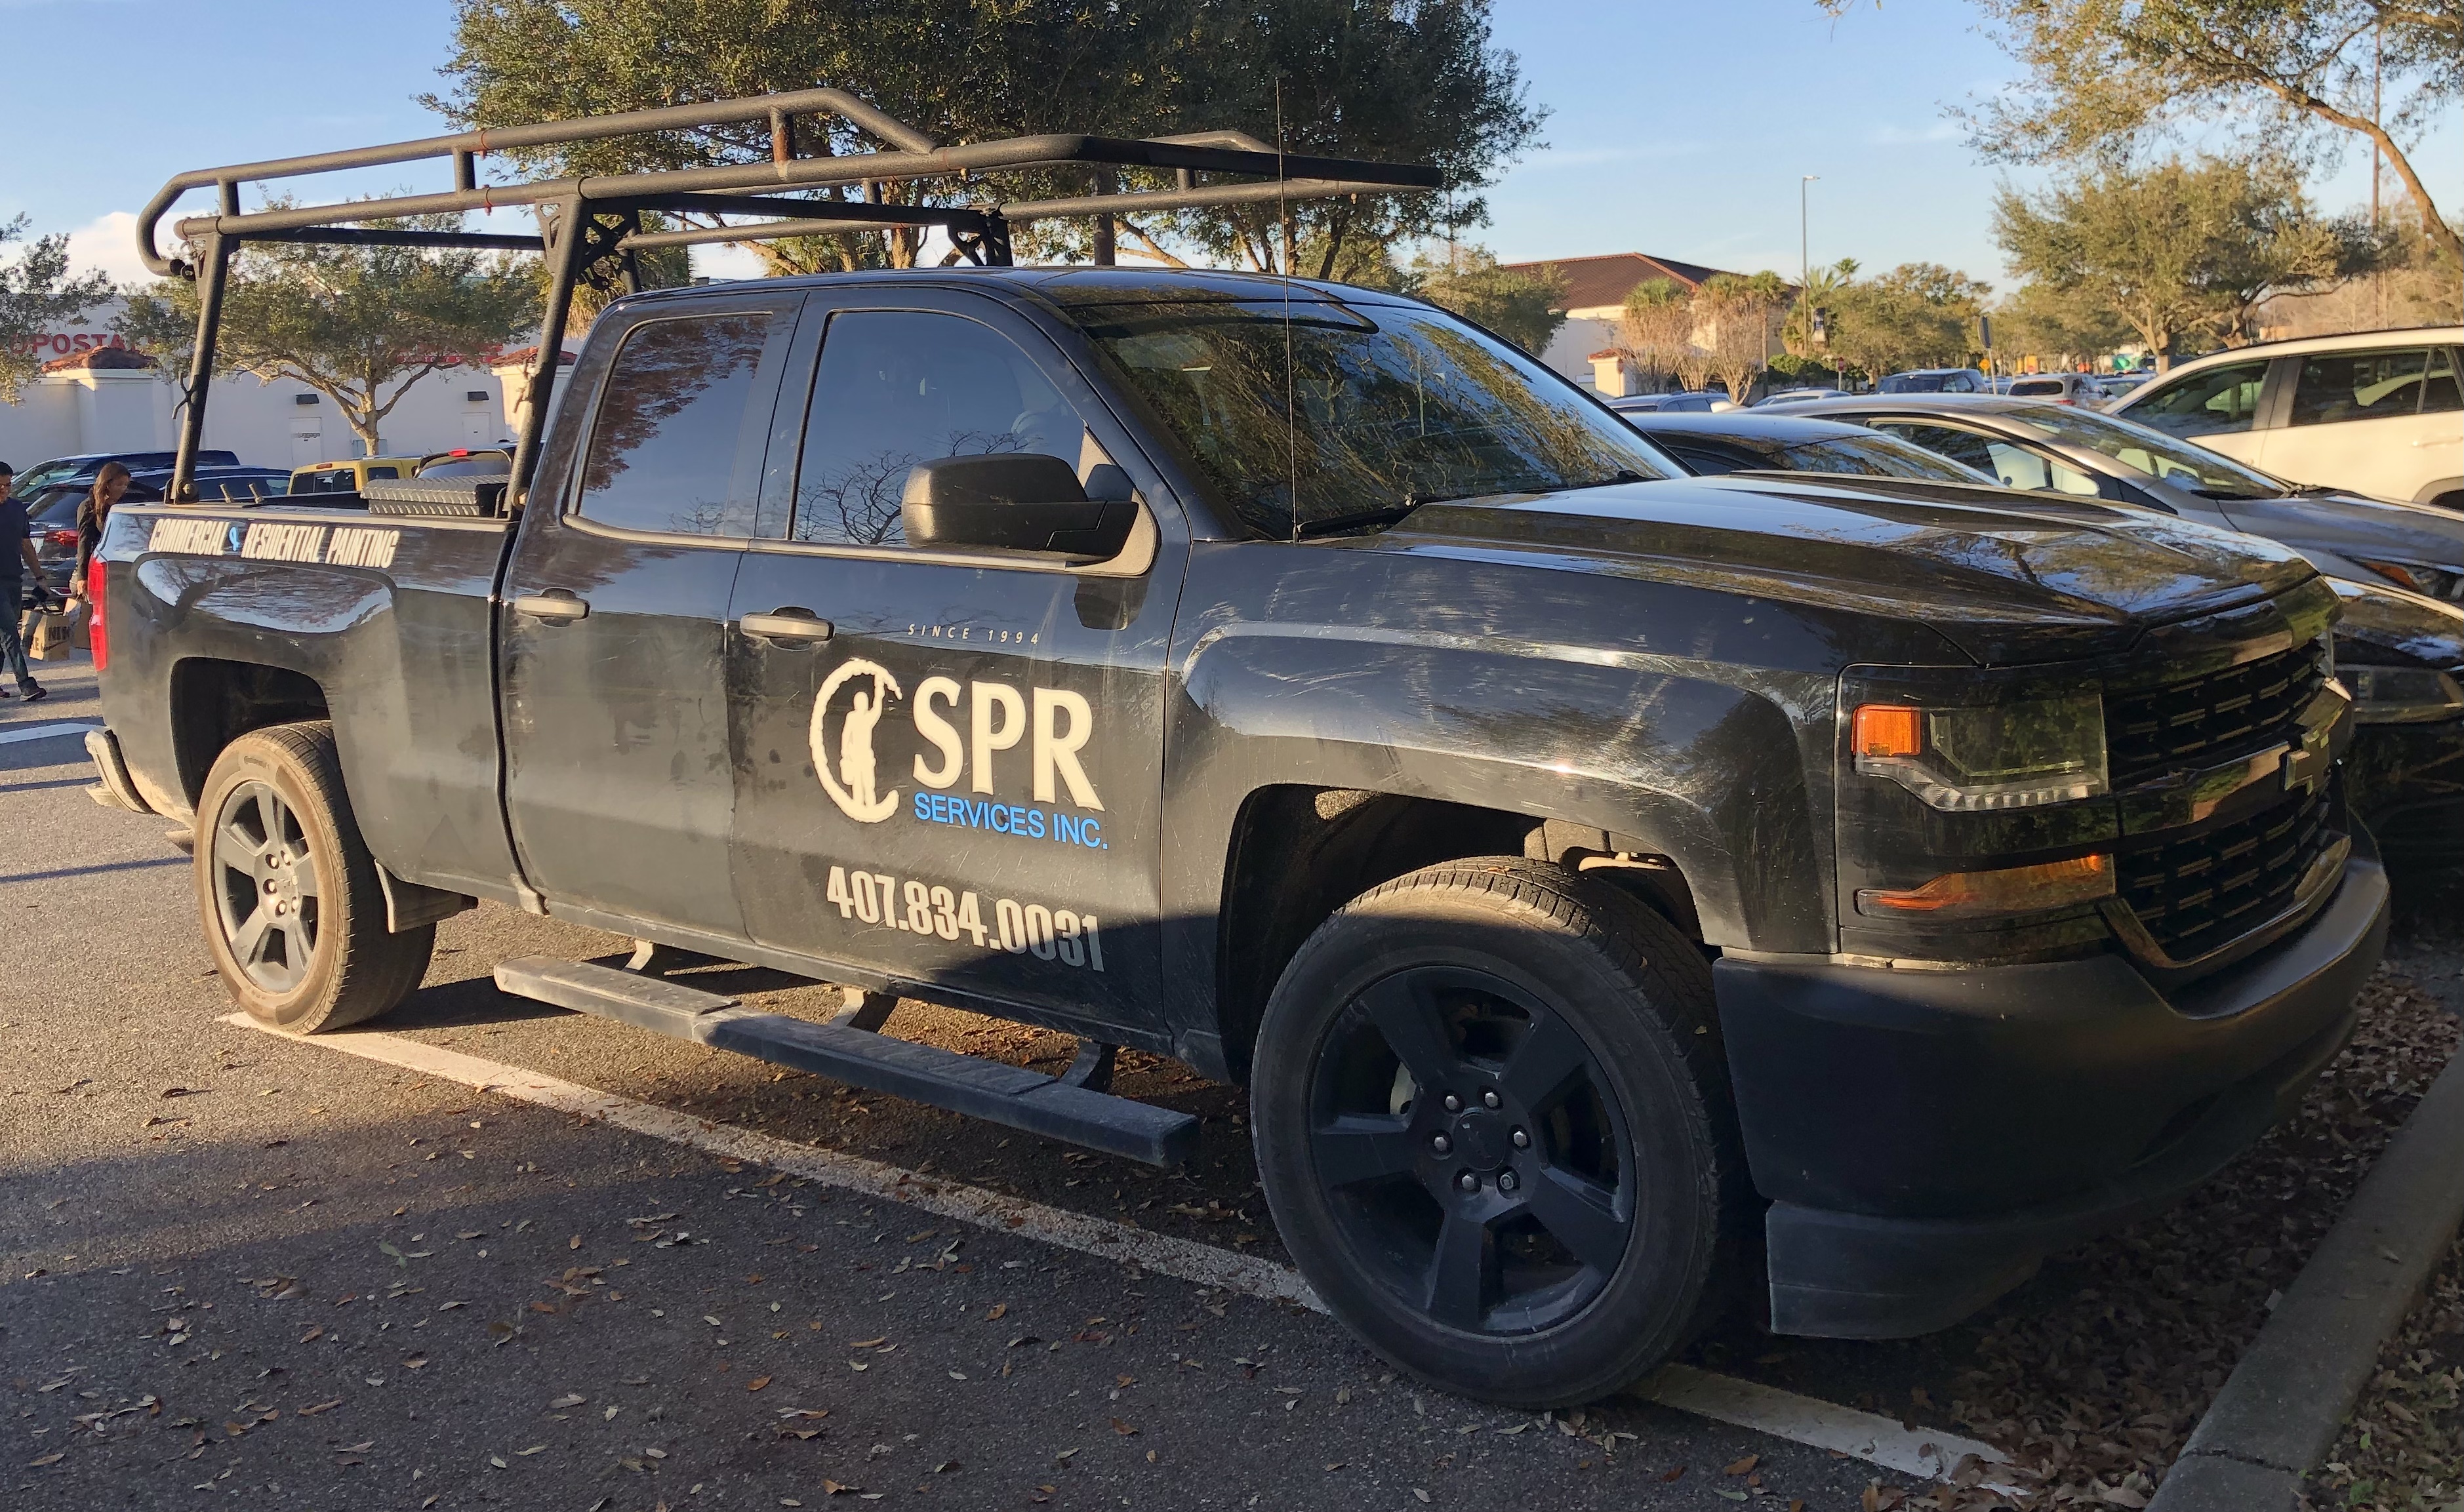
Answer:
(293, 913)
(1494, 1131)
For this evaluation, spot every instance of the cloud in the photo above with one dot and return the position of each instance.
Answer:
(109, 243)
(1906, 136)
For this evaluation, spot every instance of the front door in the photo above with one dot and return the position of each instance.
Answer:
(618, 783)
(961, 784)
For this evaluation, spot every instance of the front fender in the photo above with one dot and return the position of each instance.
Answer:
(1707, 772)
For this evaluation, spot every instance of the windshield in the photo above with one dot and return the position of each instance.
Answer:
(1392, 405)
(43, 476)
(1879, 456)
(1925, 383)
(2153, 452)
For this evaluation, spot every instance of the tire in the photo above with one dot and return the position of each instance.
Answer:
(1609, 1178)
(288, 894)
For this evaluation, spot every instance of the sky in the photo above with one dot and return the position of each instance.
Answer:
(1680, 130)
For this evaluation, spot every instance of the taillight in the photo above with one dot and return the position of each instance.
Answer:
(60, 538)
(93, 615)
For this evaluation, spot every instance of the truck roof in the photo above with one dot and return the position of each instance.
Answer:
(1081, 285)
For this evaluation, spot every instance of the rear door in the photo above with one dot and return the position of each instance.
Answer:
(2381, 422)
(962, 783)
(614, 625)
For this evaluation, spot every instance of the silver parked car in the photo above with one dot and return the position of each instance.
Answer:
(2057, 388)
(2053, 448)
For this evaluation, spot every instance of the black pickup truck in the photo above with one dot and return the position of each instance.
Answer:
(1611, 886)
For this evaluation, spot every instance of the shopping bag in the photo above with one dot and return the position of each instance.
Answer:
(51, 639)
(80, 626)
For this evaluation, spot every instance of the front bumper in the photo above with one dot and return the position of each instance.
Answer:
(1927, 1137)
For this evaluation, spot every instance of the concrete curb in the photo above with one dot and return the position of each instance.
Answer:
(2280, 1410)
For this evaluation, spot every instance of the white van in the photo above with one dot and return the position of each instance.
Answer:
(2377, 413)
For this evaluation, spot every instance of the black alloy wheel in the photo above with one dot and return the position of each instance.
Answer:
(266, 887)
(1473, 1149)
(1493, 1120)
(291, 903)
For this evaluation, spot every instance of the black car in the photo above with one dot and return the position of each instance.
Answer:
(78, 471)
(2400, 652)
(1745, 440)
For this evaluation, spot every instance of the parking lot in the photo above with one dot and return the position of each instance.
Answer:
(486, 1252)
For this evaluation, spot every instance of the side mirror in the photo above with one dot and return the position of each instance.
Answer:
(1012, 501)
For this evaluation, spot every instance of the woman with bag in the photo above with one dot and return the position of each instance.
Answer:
(109, 486)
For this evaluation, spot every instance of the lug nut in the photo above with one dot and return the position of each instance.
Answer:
(1453, 1103)
(1468, 1181)
(1488, 1099)
(1522, 1140)
(1506, 1181)
(1442, 1144)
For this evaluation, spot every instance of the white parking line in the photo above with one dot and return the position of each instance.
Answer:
(10, 736)
(1745, 1404)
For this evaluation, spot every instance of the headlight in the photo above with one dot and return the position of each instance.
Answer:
(2401, 696)
(2435, 582)
(2019, 755)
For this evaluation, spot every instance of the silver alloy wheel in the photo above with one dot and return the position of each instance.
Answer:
(266, 895)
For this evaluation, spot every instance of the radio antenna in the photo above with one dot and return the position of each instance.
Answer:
(1291, 382)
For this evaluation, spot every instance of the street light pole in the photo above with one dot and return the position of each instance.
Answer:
(1804, 262)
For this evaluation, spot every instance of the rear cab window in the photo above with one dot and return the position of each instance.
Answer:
(2006, 461)
(677, 440)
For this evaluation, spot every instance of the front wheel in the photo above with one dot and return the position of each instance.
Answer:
(286, 890)
(1494, 1130)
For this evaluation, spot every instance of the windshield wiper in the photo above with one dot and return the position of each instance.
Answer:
(1358, 519)
(2233, 494)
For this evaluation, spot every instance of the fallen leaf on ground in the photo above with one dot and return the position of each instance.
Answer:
(757, 1383)
(571, 1399)
(1121, 1428)
(1743, 1466)
(320, 1407)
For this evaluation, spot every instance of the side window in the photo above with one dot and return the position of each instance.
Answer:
(896, 387)
(2439, 394)
(386, 471)
(2205, 404)
(676, 445)
(1700, 461)
(1959, 446)
(2360, 385)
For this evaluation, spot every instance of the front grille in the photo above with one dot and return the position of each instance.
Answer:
(2195, 895)
(2208, 720)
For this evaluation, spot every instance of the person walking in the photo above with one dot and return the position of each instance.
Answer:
(109, 486)
(17, 564)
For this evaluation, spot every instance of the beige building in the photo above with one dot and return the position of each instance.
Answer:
(1585, 347)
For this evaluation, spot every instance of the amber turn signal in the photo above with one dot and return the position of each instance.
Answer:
(2014, 889)
(1890, 730)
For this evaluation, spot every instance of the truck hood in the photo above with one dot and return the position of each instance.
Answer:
(2007, 578)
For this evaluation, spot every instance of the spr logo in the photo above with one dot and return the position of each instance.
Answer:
(850, 772)
(957, 732)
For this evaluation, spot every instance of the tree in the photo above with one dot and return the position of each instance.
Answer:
(358, 325)
(1740, 312)
(2104, 77)
(2066, 326)
(1918, 314)
(36, 291)
(1526, 308)
(1656, 328)
(1411, 79)
(2176, 251)
(1822, 286)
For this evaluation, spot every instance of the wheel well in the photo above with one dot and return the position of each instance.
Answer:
(2453, 498)
(214, 703)
(1300, 853)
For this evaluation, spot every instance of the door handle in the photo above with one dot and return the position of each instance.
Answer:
(797, 627)
(557, 605)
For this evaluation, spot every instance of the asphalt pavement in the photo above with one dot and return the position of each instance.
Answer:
(248, 1270)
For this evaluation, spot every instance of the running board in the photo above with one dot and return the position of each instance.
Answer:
(1054, 1107)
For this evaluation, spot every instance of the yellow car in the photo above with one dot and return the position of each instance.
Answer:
(346, 477)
